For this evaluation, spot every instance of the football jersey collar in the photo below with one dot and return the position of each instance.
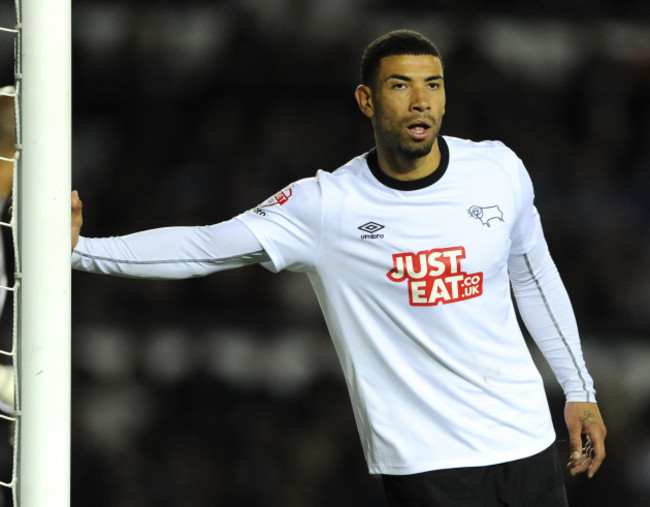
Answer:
(373, 164)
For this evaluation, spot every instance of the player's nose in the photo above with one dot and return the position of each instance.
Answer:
(419, 100)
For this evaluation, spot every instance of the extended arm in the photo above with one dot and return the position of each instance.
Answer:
(547, 313)
(171, 252)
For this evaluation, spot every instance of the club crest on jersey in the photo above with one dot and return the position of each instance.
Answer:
(486, 213)
(280, 199)
(436, 276)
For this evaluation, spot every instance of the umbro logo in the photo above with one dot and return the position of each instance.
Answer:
(371, 229)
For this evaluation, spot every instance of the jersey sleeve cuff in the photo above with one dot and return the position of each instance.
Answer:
(581, 397)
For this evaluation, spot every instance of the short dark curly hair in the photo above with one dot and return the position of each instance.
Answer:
(397, 42)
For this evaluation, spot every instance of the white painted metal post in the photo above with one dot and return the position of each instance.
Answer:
(43, 220)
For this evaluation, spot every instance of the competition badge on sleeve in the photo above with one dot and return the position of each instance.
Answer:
(279, 199)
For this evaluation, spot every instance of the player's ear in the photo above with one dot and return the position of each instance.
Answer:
(363, 94)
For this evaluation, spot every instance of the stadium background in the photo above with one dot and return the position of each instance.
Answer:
(225, 390)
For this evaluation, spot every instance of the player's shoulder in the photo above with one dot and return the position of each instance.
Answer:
(489, 155)
(346, 176)
(351, 168)
(478, 148)
(310, 189)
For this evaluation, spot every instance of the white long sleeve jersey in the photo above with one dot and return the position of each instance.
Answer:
(414, 280)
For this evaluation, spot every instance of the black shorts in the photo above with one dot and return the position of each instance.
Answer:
(537, 481)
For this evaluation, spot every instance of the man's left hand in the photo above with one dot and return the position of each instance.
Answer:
(584, 419)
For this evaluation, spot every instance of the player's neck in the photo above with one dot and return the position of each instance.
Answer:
(403, 168)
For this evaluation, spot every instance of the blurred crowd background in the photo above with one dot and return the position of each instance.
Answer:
(225, 390)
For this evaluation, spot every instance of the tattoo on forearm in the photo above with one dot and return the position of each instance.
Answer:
(589, 417)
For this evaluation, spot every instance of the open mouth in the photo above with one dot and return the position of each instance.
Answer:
(419, 130)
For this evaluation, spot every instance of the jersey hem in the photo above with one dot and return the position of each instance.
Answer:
(470, 461)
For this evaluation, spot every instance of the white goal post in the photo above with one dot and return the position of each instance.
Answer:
(42, 208)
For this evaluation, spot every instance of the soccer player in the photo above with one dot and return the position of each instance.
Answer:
(412, 249)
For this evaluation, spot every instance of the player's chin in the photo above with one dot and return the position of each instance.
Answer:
(417, 149)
